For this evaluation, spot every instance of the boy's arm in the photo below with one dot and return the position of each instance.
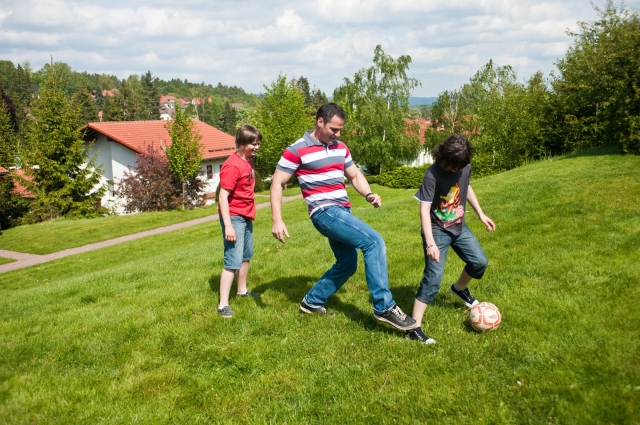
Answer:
(279, 229)
(425, 219)
(229, 232)
(473, 200)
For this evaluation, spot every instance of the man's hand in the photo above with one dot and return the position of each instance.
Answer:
(279, 230)
(229, 234)
(375, 200)
(487, 222)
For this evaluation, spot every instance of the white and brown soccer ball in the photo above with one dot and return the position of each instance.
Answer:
(484, 317)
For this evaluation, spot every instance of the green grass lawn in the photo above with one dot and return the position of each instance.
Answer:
(56, 235)
(5, 260)
(129, 334)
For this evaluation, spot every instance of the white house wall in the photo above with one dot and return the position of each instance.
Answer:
(115, 158)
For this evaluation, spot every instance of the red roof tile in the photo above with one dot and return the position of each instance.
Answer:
(137, 135)
(18, 188)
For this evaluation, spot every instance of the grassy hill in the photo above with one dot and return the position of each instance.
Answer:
(130, 333)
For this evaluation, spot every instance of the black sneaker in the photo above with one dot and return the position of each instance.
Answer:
(225, 312)
(418, 335)
(306, 308)
(396, 318)
(465, 296)
(250, 294)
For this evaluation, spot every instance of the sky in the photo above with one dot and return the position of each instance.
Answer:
(248, 43)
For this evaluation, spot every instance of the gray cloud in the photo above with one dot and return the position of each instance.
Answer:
(248, 43)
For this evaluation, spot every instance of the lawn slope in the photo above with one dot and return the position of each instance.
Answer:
(129, 334)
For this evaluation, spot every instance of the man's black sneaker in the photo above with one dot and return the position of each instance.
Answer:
(465, 296)
(306, 308)
(250, 294)
(418, 335)
(396, 318)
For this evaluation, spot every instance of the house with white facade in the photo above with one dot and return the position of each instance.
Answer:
(117, 142)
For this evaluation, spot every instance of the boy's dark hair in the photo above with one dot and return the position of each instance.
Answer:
(454, 152)
(246, 135)
(330, 110)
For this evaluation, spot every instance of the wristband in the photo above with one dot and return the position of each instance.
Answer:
(367, 196)
(431, 245)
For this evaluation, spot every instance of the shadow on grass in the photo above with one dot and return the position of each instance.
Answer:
(597, 151)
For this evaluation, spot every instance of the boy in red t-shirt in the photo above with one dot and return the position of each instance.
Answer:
(237, 211)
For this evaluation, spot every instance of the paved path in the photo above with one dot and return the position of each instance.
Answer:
(26, 260)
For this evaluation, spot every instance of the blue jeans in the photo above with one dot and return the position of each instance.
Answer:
(346, 235)
(468, 249)
(235, 253)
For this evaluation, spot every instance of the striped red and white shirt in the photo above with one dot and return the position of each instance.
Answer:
(319, 169)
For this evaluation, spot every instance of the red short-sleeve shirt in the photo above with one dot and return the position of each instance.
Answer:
(237, 176)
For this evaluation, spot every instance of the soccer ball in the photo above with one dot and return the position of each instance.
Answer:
(484, 317)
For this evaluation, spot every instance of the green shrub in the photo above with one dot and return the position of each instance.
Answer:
(402, 177)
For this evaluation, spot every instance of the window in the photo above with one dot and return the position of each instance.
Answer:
(209, 172)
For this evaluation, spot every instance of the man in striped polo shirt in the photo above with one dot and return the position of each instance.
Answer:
(320, 162)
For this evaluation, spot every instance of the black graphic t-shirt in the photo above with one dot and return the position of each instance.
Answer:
(446, 191)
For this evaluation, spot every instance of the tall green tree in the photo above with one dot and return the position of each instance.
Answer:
(318, 98)
(150, 97)
(597, 89)
(376, 100)
(86, 104)
(111, 109)
(185, 153)
(282, 118)
(63, 179)
(303, 85)
(501, 116)
(227, 119)
(8, 138)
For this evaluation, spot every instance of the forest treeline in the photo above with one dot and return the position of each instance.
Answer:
(592, 99)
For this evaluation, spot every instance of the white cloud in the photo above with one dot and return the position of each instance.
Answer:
(248, 43)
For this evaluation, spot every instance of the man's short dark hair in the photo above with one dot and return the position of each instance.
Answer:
(454, 152)
(330, 110)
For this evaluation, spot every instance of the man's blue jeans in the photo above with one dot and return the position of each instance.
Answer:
(346, 235)
(468, 249)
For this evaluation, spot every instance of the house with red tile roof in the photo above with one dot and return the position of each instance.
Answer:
(424, 156)
(117, 143)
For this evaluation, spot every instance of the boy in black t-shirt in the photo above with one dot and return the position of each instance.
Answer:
(443, 197)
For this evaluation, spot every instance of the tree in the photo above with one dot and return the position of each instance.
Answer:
(64, 181)
(149, 109)
(185, 154)
(502, 117)
(318, 98)
(376, 101)
(111, 110)
(227, 119)
(282, 118)
(12, 206)
(151, 186)
(597, 91)
(302, 84)
(86, 104)
(8, 137)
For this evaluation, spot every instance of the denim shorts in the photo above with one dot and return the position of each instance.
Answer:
(468, 249)
(235, 253)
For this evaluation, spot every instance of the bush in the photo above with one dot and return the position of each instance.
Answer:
(401, 177)
(153, 187)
